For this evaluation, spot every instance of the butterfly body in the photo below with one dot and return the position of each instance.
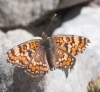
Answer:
(37, 56)
(46, 44)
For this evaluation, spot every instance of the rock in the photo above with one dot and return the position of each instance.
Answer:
(15, 13)
(70, 3)
(13, 79)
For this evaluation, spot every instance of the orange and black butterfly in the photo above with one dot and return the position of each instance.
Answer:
(37, 56)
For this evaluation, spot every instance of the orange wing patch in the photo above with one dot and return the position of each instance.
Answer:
(64, 59)
(23, 53)
(38, 65)
(70, 43)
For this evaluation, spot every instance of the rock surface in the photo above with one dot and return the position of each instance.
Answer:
(13, 79)
(15, 13)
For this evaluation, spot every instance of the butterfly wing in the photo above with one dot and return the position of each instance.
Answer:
(71, 43)
(39, 65)
(64, 59)
(65, 47)
(60, 58)
(22, 54)
(29, 55)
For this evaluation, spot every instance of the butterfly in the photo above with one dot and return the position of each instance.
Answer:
(38, 56)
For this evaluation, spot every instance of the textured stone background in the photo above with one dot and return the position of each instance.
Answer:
(85, 23)
(13, 79)
(16, 12)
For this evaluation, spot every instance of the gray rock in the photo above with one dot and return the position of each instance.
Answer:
(15, 13)
(13, 79)
(70, 3)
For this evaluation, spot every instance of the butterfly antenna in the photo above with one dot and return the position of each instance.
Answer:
(31, 26)
(51, 22)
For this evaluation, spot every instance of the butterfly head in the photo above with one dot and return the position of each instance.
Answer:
(44, 35)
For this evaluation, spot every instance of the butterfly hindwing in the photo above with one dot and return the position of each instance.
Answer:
(39, 65)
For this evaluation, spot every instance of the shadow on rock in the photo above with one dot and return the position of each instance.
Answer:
(23, 82)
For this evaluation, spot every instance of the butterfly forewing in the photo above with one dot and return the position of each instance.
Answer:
(71, 43)
(22, 54)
